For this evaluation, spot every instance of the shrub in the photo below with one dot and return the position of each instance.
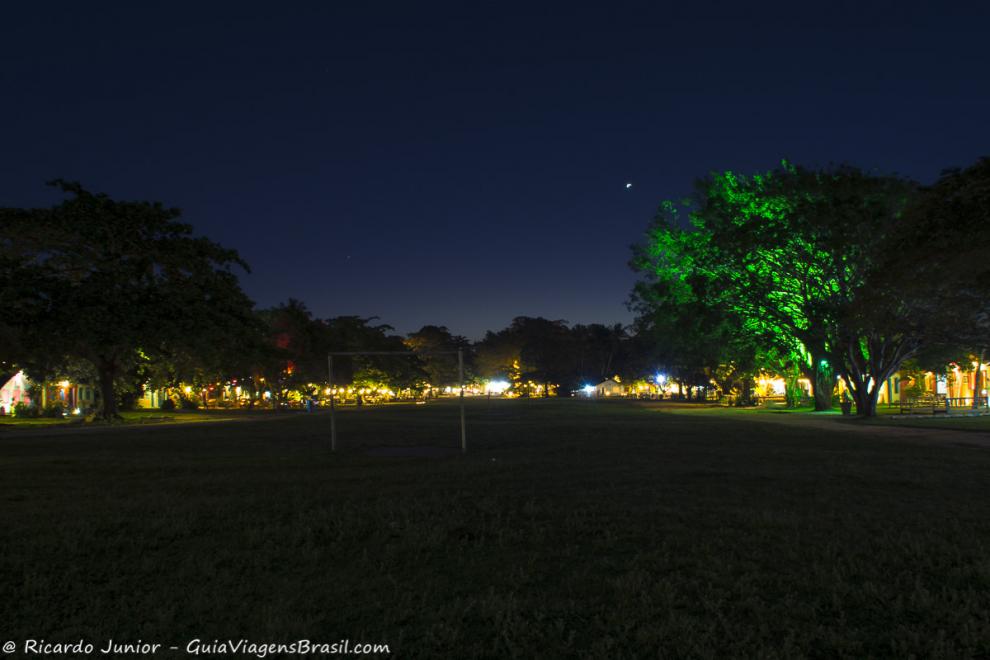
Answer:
(188, 404)
(128, 401)
(54, 410)
(167, 405)
(25, 410)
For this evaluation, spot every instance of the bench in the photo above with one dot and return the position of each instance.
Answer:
(927, 403)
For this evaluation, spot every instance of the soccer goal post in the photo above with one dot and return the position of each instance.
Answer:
(333, 407)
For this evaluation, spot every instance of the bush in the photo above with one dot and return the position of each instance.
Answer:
(128, 401)
(188, 404)
(167, 405)
(25, 410)
(54, 410)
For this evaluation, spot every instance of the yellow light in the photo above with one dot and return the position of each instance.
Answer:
(64, 384)
(187, 389)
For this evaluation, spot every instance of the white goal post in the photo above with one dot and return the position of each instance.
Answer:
(460, 371)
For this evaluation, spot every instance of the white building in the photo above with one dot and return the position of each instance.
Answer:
(14, 391)
(609, 387)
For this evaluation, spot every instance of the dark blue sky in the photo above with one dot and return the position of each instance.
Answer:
(462, 164)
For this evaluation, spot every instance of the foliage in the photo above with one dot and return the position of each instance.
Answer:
(353, 333)
(791, 262)
(22, 409)
(438, 348)
(54, 410)
(112, 281)
(188, 403)
(949, 219)
(532, 349)
(604, 351)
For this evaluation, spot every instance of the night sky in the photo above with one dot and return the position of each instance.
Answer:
(464, 164)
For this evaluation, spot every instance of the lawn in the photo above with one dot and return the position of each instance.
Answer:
(141, 416)
(571, 528)
(950, 422)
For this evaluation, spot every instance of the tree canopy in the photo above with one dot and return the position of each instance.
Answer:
(801, 263)
(115, 282)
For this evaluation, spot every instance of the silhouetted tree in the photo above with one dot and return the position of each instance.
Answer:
(118, 282)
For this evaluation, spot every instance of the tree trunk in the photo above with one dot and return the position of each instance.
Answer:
(866, 400)
(747, 391)
(107, 371)
(864, 395)
(823, 384)
(823, 396)
(869, 364)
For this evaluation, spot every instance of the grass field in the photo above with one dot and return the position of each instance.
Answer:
(979, 423)
(611, 530)
(130, 417)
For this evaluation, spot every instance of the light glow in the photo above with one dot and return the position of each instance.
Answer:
(496, 386)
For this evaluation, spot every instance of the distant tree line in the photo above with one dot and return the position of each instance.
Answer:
(829, 274)
(122, 295)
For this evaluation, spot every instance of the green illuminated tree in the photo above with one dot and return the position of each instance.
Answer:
(690, 332)
(794, 257)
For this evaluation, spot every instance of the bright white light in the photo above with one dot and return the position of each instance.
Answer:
(496, 386)
(661, 379)
(588, 389)
(628, 185)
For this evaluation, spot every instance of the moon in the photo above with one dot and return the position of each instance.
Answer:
(628, 185)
